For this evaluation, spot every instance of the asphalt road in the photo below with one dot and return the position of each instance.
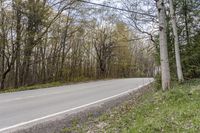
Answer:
(21, 108)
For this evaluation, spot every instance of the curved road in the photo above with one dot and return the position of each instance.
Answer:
(21, 108)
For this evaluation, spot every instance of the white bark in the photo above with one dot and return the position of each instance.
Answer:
(176, 42)
(165, 71)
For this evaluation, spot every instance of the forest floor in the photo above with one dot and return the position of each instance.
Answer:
(177, 110)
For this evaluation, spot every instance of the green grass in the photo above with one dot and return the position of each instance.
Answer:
(175, 111)
(32, 87)
(47, 85)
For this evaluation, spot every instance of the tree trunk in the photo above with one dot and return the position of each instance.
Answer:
(176, 43)
(3, 40)
(165, 71)
(186, 21)
(17, 43)
(3, 78)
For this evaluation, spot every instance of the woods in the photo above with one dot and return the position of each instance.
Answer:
(46, 41)
(99, 66)
(43, 41)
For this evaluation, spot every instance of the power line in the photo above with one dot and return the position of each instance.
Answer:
(116, 8)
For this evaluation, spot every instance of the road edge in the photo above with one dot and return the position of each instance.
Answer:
(56, 123)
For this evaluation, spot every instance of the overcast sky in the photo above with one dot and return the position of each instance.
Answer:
(98, 1)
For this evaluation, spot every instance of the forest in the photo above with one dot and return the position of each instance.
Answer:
(43, 41)
(47, 41)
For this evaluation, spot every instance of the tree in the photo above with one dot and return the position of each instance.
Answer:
(176, 42)
(7, 55)
(165, 71)
(46, 41)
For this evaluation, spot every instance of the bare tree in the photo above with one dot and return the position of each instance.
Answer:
(46, 41)
(176, 42)
(163, 45)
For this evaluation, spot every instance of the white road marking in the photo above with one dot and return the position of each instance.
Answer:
(72, 109)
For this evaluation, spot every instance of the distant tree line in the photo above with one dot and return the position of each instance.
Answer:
(44, 41)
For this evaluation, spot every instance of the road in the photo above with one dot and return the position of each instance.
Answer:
(21, 108)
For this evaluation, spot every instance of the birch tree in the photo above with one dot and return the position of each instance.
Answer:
(176, 42)
(165, 71)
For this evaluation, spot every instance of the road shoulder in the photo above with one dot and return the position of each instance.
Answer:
(80, 116)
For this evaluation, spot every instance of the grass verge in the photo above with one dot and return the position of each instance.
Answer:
(175, 111)
(47, 85)
(32, 87)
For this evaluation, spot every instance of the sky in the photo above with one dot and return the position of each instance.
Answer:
(98, 1)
